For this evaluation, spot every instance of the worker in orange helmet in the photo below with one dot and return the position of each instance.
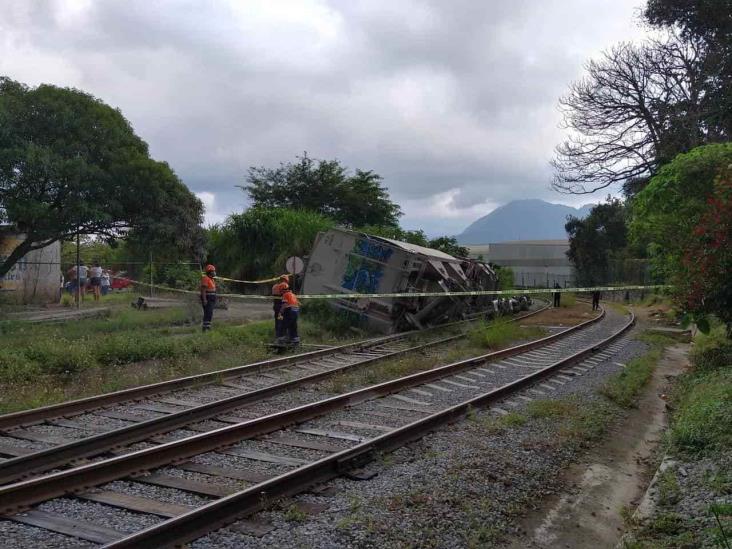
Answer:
(288, 314)
(208, 296)
(277, 291)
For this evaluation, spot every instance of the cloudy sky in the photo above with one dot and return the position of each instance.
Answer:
(453, 102)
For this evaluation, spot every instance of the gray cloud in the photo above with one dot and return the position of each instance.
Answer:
(454, 103)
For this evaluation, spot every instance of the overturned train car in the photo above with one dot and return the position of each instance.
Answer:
(344, 262)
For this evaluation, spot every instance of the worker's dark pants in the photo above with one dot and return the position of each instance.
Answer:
(279, 324)
(557, 297)
(208, 310)
(595, 302)
(290, 324)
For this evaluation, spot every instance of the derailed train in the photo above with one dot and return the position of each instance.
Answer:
(347, 262)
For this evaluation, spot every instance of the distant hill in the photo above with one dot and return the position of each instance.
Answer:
(530, 219)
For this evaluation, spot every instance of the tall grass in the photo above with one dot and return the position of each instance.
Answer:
(65, 356)
(499, 333)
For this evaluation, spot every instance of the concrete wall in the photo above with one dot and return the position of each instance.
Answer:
(36, 278)
(535, 263)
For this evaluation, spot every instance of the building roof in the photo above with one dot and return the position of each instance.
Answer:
(429, 252)
(557, 242)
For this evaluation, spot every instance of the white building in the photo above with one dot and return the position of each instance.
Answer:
(535, 263)
(36, 278)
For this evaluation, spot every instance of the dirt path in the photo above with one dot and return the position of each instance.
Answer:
(614, 476)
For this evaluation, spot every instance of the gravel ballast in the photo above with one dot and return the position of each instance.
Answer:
(460, 486)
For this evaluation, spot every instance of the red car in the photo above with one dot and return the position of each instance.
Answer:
(118, 281)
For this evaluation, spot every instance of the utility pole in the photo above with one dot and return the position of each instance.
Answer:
(78, 268)
(151, 274)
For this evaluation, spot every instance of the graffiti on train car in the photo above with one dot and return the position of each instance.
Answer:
(373, 250)
(364, 269)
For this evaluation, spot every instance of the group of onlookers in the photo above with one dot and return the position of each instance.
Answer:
(94, 277)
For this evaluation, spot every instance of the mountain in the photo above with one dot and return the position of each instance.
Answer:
(530, 219)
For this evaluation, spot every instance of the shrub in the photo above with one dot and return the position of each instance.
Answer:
(704, 417)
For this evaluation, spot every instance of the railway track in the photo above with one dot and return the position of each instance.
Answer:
(38, 440)
(172, 492)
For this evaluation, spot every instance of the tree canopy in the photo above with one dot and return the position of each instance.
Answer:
(703, 277)
(69, 162)
(325, 187)
(709, 21)
(637, 108)
(592, 241)
(257, 242)
(666, 211)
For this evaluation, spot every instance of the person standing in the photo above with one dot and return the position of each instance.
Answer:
(596, 300)
(557, 295)
(105, 283)
(289, 313)
(208, 296)
(95, 276)
(277, 291)
(83, 278)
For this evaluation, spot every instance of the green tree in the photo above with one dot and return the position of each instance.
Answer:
(325, 187)
(256, 243)
(396, 233)
(70, 163)
(711, 22)
(449, 245)
(702, 279)
(665, 213)
(594, 239)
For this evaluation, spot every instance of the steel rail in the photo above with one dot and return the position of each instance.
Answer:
(192, 525)
(42, 460)
(20, 495)
(24, 466)
(35, 415)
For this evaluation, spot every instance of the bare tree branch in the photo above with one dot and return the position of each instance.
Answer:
(637, 107)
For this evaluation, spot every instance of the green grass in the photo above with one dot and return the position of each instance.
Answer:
(499, 333)
(700, 429)
(45, 363)
(669, 491)
(703, 420)
(623, 388)
(568, 300)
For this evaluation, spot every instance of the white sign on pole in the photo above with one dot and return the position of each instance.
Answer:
(294, 265)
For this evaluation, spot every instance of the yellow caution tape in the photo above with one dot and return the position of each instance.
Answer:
(426, 294)
(275, 279)
(249, 281)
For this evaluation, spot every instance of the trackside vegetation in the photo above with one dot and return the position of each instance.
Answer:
(694, 508)
(499, 333)
(43, 364)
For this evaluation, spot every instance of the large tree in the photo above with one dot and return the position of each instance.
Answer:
(665, 214)
(325, 187)
(70, 163)
(711, 22)
(595, 239)
(637, 108)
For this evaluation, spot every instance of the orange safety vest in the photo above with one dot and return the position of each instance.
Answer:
(290, 300)
(278, 289)
(209, 284)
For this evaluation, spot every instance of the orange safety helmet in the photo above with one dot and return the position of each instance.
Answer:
(210, 268)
